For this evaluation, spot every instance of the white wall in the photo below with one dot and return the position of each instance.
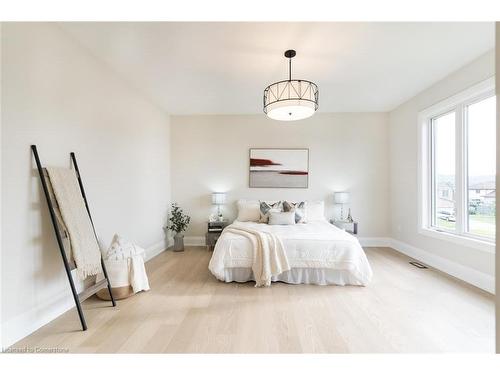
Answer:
(59, 97)
(347, 151)
(476, 265)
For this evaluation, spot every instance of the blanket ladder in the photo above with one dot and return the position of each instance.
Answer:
(61, 235)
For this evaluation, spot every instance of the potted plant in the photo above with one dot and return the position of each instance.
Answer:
(178, 223)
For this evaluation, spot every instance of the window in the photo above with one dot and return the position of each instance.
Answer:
(457, 167)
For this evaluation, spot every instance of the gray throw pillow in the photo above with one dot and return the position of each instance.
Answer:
(298, 208)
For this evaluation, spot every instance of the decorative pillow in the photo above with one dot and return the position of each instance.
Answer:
(248, 210)
(121, 248)
(281, 218)
(267, 208)
(315, 211)
(298, 208)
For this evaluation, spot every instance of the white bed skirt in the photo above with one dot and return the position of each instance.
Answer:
(315, 276)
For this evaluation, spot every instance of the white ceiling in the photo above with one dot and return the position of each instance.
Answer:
(223, 68)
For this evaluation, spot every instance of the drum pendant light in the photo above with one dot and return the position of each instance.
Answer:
(293, 99)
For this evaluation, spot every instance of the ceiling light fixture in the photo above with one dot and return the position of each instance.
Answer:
(293, 99)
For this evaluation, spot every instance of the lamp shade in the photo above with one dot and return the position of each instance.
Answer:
(291, 100)
(341, 197)
(218, 198)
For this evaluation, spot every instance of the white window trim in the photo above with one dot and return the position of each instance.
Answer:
(474, 93)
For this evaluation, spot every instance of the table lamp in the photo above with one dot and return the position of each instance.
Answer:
(219, 199)
(341, 197)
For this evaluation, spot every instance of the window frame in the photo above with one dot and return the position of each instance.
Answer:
(458, 104)
(432, 177)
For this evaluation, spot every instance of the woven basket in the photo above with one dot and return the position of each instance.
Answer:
(121, 292)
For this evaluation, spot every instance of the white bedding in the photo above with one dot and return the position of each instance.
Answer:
(317, 252)
(269, 257)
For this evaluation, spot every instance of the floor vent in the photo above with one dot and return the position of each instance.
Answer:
(418, 265)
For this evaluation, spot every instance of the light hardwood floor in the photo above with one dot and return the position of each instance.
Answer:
(404, 309)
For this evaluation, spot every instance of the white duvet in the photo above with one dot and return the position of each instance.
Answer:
(317, 252)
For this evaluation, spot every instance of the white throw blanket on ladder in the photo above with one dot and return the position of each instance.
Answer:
(84, 245)
(269, 258)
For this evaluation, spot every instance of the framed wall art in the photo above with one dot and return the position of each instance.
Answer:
(279, 168)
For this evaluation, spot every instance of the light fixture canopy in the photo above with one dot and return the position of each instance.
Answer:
(292, 99)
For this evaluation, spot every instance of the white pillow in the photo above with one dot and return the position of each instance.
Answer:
(315, 211)
(248, 210)
(281, 218)
(121, 248)
(266, 208)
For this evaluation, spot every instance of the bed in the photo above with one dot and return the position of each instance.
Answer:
(317, 251)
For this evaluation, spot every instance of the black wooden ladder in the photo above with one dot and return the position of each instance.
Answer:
(60, 232)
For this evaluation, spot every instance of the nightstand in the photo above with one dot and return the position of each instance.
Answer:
(214, 229)
(349, 226)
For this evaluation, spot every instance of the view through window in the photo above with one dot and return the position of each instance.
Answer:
(481, 166)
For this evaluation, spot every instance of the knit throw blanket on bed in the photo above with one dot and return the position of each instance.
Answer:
(269, 254)
(84, 245)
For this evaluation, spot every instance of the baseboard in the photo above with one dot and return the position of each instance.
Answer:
(194, 241)
(28, 322)
(364, 241)
(374, 241)
(158, 248)
(469, 275)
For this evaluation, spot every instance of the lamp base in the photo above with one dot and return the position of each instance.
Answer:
(349, 217)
